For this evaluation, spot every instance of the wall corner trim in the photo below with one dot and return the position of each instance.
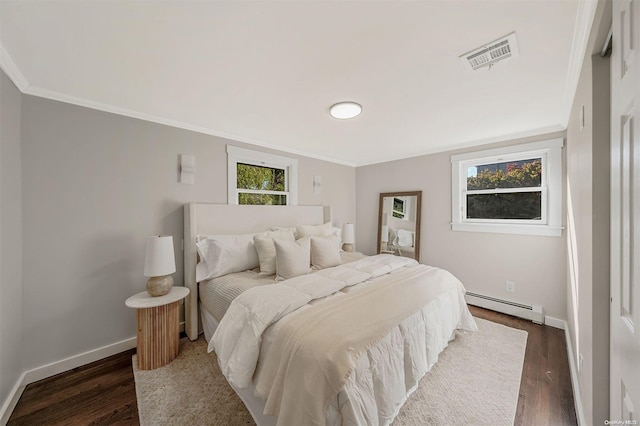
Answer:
(11, 69)
(12, 400)
(575, 383)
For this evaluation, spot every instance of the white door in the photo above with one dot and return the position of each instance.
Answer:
(625, 212)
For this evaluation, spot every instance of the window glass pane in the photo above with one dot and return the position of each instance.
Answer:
(514, 205)
(509, 174)
(260, 178)
(398, 208)
(262, 199)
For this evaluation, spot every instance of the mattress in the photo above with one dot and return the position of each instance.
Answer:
(217, 294)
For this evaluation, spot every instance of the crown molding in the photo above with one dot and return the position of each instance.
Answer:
(538, 133)
(584, 20)
(13, 72)
(61, 97)
(11, 69)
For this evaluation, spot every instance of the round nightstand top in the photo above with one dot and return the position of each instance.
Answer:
(145, 300)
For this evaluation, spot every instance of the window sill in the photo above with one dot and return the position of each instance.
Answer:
(543, 230)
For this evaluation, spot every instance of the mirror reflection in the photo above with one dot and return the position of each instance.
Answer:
(399, 223)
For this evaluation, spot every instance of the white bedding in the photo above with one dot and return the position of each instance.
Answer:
(217, 294)
(381, 379)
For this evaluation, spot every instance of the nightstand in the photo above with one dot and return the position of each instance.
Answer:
(158, 326)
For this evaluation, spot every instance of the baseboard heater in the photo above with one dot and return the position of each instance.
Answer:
(533, 313)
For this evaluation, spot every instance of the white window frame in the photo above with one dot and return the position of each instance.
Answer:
(550, 151)
(404, 207)
(237, 155)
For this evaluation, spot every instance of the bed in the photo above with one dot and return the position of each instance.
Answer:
(268, 334)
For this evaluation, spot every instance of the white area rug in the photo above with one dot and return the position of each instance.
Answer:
(476, 381)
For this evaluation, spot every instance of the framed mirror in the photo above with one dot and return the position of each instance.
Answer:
(399, 223)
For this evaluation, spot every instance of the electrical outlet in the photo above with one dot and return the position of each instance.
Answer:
(510, 286)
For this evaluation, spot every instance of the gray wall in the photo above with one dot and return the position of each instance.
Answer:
(482, 261)
(95, 185)
(588, 181)
(11, 366)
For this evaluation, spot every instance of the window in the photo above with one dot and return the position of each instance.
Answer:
(515, 189)
(399, 208)
(258, 178)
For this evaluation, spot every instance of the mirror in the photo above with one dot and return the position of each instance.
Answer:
(399, 223)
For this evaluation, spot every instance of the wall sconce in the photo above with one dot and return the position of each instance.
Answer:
(188, 169)
(317, 184)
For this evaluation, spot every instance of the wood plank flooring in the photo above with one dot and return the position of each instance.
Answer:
(103, 392)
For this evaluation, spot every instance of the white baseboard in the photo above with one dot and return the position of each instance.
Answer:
(74, 361)
(575, 383)
(79, 360)
(12, 400)
(555, 322)
(57, 367)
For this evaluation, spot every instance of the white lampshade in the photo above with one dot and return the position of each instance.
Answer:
(159, 258)
(348, 234)
(385, 234)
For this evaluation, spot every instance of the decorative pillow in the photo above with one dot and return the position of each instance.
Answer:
(267, 251)
(224, 254)
(405, 238)
(318, 230)
(325, 251)
(337, 232)
(292, 257)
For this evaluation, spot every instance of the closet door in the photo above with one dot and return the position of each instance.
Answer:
(625, 212)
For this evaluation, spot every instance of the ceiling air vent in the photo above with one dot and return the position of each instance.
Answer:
(495, 51)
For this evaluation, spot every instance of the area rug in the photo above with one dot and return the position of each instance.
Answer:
(476, 381)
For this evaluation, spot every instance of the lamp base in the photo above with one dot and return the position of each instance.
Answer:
(159, 286)
(347, 247)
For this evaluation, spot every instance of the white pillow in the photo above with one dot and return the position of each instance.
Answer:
(292, 257)
(318, 230)
(224, 254)
(405, 238)
(267, 251)
(202, 272)
(325, 251)
(337, 232)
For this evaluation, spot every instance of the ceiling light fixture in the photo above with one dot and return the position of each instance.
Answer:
(345, 110)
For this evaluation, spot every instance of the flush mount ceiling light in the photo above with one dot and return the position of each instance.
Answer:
(344, 110)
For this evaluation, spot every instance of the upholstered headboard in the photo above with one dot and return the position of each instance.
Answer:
(230, 219)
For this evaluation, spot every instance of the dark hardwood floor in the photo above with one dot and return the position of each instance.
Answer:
(546, 396)
(103, 392)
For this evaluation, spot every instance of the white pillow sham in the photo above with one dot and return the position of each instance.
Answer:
(325, 251)
(292, 257)
(224, 254)
(266, 249)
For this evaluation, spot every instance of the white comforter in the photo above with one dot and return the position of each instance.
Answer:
(381, 380)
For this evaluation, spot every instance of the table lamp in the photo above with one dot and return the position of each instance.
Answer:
(159, 264)
(348, 237)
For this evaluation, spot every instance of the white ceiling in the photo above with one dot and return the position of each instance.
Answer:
(266, 72)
